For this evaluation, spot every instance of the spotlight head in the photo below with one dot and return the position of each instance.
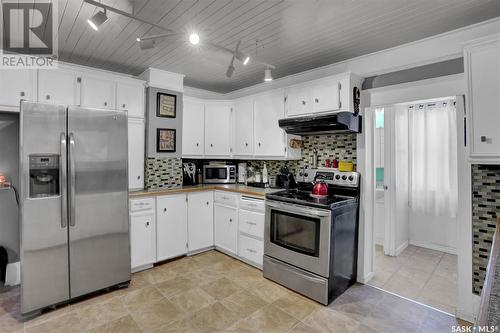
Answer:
(97, 20)
(247, 59)
(241, 57)
(146, 44)
(267, 75)
(230, 70)
(194, 38)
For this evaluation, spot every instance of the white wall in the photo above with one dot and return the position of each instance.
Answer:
(437, 233)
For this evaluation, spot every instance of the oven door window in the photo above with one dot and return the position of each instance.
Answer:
(216, 173)
(295, 232)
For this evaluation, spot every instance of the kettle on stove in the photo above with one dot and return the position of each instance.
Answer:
(320, 187)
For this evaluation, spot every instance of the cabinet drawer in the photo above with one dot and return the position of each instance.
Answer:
(140, 205)
(226, 199)
(251, 249)
(251, 223)
(253, 204)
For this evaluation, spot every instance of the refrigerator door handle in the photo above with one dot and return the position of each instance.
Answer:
(72, 183)
(64, 179)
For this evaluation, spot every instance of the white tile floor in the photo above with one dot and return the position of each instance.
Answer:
(420, 274)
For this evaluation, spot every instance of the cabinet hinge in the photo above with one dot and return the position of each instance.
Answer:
(186, 245)
(186, 198)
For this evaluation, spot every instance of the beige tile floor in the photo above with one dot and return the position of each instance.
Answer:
(212, 292)
(420, 274)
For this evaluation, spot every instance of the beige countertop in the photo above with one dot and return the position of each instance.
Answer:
(242, 189)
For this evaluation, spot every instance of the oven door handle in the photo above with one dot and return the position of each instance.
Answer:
(307, 211)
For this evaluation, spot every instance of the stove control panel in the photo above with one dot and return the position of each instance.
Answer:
(330, 176)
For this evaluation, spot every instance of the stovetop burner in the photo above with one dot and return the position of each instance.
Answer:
(304, 198)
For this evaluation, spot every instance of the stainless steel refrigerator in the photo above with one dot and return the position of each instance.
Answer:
(73, 202)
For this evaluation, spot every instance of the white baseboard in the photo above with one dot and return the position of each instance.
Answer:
(401, 248)
(435, 247)
(366, 278)
(379, 241)
(13, 274)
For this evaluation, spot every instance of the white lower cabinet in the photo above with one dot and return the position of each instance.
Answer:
(251, 249)
(142, 233)
(200, 220)
(226, 227)
(251, 230)
(171, 226)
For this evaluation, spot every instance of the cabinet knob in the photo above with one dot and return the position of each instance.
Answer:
(246, 144)
(259, 144)
(164, 210)
(316, 100)
(105, 103)
(230, 220)
(123, 105)
(138, 177)
(197, 144)
(207, 203)
(147, 224)
(303, 102)
(47, 97)
(484, 138)
(22, 93)
(211, 145)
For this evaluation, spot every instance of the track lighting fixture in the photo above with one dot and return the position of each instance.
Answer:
(268, 75)
(146, 44)
(98, 19)
(230, 69)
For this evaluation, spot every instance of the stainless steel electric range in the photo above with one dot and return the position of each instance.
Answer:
(311, 243)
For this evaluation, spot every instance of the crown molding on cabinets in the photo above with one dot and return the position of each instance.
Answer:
(158, 78)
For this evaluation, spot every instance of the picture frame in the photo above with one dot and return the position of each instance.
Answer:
(166, 140)
(166, 105)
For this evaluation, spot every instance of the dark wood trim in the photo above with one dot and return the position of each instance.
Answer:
(482, 317)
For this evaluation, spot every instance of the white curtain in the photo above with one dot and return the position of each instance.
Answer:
(433, 158)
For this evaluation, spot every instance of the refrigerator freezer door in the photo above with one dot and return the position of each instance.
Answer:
(98, 199)
(44, 234)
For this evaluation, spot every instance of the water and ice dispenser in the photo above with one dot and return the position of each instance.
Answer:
(44, 175)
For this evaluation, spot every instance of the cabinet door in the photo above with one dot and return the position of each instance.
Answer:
(135, 153)
(16, 85)
(58, 87)
(98, 92)
(269, 137)
(484, 81)
(171, 226)
(217, 129)
(193, 128)
(243, 130)
(326, 97)
(130, 97)
(142, 240)
(298, 100)
(226, 228)
(200, 220)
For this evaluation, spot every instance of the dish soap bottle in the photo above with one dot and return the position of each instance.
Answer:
(264, 174)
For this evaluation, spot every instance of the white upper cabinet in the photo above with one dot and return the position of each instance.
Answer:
(58, 87)
(15, 85)
(217, 129)
(193, 128)
(200, 220)
(269, 137)
(171, 226)
(135, 153)
(98, 92)
(483, 73)
(130, 97)
(330, 94)
(243, 127)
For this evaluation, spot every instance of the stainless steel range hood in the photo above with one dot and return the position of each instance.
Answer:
(340, 122)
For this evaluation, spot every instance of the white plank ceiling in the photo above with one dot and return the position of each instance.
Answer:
(292, 35)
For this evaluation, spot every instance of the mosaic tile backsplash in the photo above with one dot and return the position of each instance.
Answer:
(163, 173)
(485, 207)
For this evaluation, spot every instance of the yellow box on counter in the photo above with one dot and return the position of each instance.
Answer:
(346, 166)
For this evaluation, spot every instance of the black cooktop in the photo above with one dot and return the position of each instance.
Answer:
(303, 197)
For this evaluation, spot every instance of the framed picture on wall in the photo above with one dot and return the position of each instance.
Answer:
(165, 140)
(166, 105)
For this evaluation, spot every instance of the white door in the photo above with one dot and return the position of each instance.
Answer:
(217, 129)
(243, 130)
(171, 226)
(326, 97)
(142, 240)
(16, 85)
(130, 97)
(484, 81)
(58, 87)
(226, 227)
(193, 128)
(135, 153)
(200, 220)
(396, 179)
(298, 100)
(269, 137)
(98, 92)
